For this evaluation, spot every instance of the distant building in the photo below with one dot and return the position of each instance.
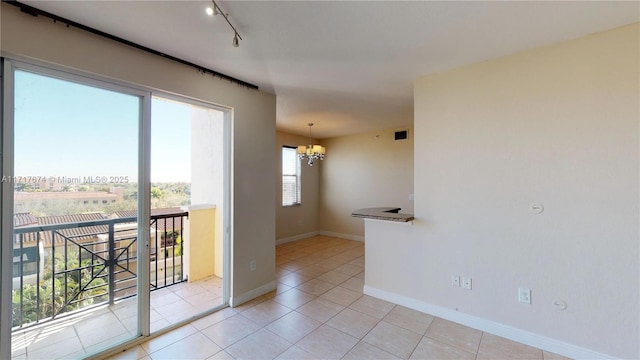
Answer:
(169, 224)
(31, 249)
(164, 231)
(24, 219)
(22, 199)
(32, 246)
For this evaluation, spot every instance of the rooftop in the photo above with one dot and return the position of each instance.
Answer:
(86, 232)
(24, 219)
(76, 233)
(162, 224)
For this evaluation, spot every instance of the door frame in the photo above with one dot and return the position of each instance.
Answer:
(227, 150)
(8, 64)
(9, 68)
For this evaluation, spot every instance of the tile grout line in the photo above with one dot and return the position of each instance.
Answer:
(309, 250)
(479, 342)
(365, 335)
(79, 339)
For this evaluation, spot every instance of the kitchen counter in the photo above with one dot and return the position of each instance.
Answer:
(383, 213)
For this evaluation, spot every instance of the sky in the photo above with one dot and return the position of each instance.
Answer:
(66, 129)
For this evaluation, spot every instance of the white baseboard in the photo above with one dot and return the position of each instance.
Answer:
(314, 233)
(342, 236)
(296, 237)
(252, 294)
(492, 327)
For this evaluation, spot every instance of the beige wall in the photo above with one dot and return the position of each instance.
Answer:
(558, 125)
(253, 223)
(294, 222)
(200, 246)
(365, 170)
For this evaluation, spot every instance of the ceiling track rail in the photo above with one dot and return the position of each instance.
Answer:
(37, 12)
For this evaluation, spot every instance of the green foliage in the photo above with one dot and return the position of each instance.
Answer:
(156, 193)
(173, 194)
(163, 195)
(52, 289)
(177, 246)
(24, 187)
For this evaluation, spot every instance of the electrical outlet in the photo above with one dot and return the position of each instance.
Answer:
(455, 280)
(524, 295)
(252, 265)
(466, 283)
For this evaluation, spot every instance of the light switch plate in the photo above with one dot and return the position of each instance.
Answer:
(524, 295)
(466, 283)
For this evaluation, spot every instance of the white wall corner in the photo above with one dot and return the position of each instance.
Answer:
(342, 236)
(323, 233)
(498, 329)
(252, 294)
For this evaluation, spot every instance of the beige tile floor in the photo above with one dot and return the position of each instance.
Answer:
(320, 312)
(92, 330)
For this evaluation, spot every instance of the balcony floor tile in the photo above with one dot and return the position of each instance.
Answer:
(93, 330)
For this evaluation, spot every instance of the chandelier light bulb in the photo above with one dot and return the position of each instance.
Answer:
(209, 11)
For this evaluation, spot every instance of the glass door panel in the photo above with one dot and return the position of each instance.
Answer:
(75, 216)
(186, 246)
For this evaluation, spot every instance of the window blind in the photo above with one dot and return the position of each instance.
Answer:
(291, 184)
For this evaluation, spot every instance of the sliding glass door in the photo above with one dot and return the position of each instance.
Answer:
(79, 228)
(115, 212)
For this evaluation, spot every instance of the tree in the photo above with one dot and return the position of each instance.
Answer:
(177, 246)
(52, 289)
(156, 193)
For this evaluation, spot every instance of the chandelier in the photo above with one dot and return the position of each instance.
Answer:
(311, 152)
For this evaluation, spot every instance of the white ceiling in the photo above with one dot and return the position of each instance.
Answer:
(346, 66)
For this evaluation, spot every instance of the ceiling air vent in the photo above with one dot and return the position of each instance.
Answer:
(401, 134)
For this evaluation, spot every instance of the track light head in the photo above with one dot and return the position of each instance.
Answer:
(217, 11)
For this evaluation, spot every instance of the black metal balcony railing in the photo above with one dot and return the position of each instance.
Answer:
(86, 264)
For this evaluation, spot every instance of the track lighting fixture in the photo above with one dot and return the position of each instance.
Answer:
(217, 11)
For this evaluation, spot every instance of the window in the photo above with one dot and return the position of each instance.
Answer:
(27, 257)
(291, 184)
